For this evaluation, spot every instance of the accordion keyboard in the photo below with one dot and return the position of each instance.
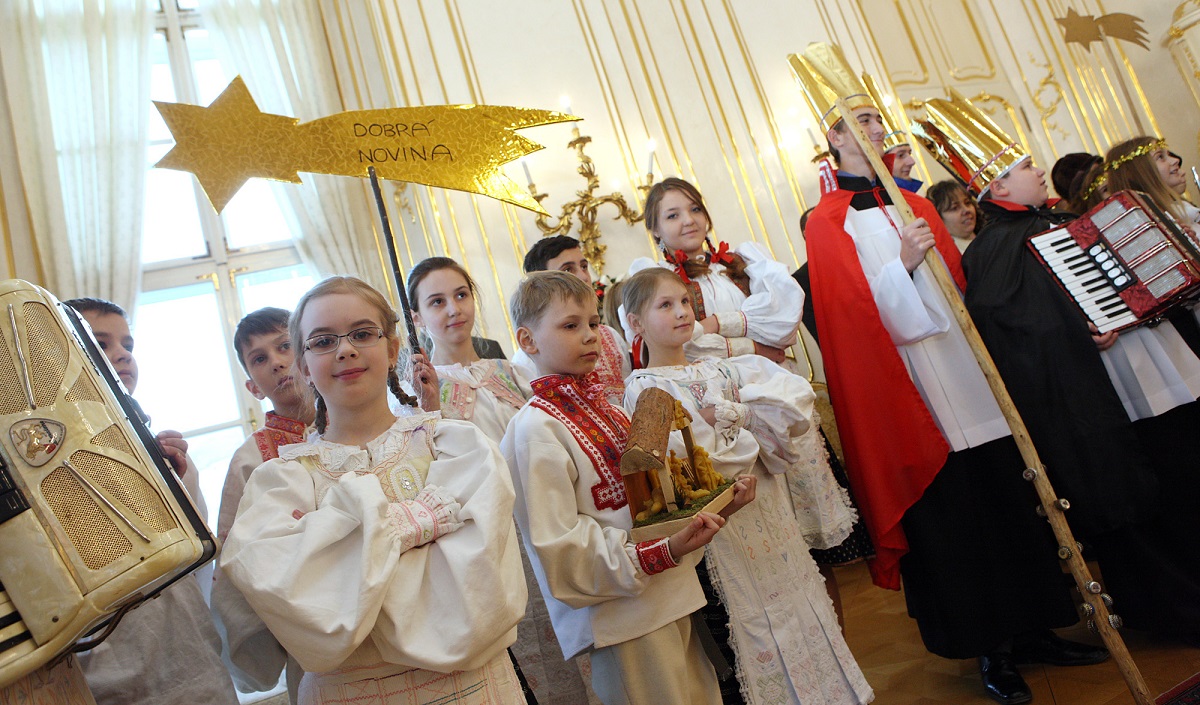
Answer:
(15, 638)
(1086, 281)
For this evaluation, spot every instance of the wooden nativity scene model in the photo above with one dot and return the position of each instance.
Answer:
(666, 491)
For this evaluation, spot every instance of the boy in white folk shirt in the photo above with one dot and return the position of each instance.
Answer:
(166, 650)
(264, 348)
(628, 604)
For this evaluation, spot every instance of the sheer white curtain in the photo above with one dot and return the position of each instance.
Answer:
(78, 79)
(280, 50)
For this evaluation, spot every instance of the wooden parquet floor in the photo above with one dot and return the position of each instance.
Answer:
(888, 648)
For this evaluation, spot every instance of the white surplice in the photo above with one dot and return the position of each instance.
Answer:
(921, 324)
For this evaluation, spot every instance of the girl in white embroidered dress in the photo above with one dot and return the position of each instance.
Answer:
(485, 392)
(381, 553)
(749, 414)
(488, 393)
(744, 303)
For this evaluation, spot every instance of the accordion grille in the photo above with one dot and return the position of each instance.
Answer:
(83, 390)
(96, 538)
(12, 396)
(125, 485)
(47, 351)
(112, 437)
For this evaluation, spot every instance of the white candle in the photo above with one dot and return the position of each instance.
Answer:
(811, 136)
(565, 102)
(650, 167)
(528, 176)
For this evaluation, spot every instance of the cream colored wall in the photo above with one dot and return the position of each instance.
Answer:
(708, 81)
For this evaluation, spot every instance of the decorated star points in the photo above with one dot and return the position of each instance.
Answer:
(228, 143)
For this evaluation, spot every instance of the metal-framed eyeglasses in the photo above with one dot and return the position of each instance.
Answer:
(325, 343)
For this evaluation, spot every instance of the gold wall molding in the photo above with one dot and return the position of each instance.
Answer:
(1182, 40)
(707, 81)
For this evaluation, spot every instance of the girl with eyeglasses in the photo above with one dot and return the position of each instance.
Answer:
(381, 552)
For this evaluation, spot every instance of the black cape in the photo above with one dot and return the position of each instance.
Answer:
(1045, 353)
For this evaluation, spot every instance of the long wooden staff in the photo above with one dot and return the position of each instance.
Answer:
(1095, 605)
(405, 307)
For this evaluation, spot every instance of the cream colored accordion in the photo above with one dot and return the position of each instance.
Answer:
(92, 519)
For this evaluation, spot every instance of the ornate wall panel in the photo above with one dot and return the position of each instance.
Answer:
(706, 80)
(1182, 38)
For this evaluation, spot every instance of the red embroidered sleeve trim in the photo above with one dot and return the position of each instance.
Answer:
(655, 556)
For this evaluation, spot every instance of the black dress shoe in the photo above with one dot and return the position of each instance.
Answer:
(1002, 681)
(1048, 647)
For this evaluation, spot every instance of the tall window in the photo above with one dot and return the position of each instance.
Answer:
(203, 271)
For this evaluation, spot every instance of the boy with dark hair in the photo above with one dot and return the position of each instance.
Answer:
(558, 252)
(166, 650)
(264, 348)
(562, 253)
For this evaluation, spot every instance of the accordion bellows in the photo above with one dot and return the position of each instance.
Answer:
(92, 519)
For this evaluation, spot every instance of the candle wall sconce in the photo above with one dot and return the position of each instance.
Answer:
(581, 213)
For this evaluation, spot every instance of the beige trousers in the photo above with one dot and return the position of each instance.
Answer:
(665, 667)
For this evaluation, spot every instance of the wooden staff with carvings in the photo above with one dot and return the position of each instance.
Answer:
(1053, 507)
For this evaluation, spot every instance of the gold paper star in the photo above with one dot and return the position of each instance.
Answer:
(228, 142)
(461, 147)
(1081, 29)
(1085, 29)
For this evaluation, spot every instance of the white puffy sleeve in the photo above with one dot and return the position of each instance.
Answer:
(771, 313)
(454, 604)
(339, 573)
(904, 313)
(781, 406)
(732, 454)
(585, 563)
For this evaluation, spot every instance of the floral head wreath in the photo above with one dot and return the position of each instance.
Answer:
(1097, 182)
(1139, 152)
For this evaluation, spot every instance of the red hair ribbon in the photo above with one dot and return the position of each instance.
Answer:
(635, 351)
(722, 255)
(678, 260)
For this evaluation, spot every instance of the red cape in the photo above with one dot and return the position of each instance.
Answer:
(893, 447)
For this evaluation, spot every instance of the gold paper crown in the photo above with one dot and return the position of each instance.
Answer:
(824, 76)
(967, 142)
(895, 136)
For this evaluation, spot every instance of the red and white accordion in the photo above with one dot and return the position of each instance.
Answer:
(1124, 262)
(92, 518)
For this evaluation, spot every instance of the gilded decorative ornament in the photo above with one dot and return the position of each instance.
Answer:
(585, 207)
